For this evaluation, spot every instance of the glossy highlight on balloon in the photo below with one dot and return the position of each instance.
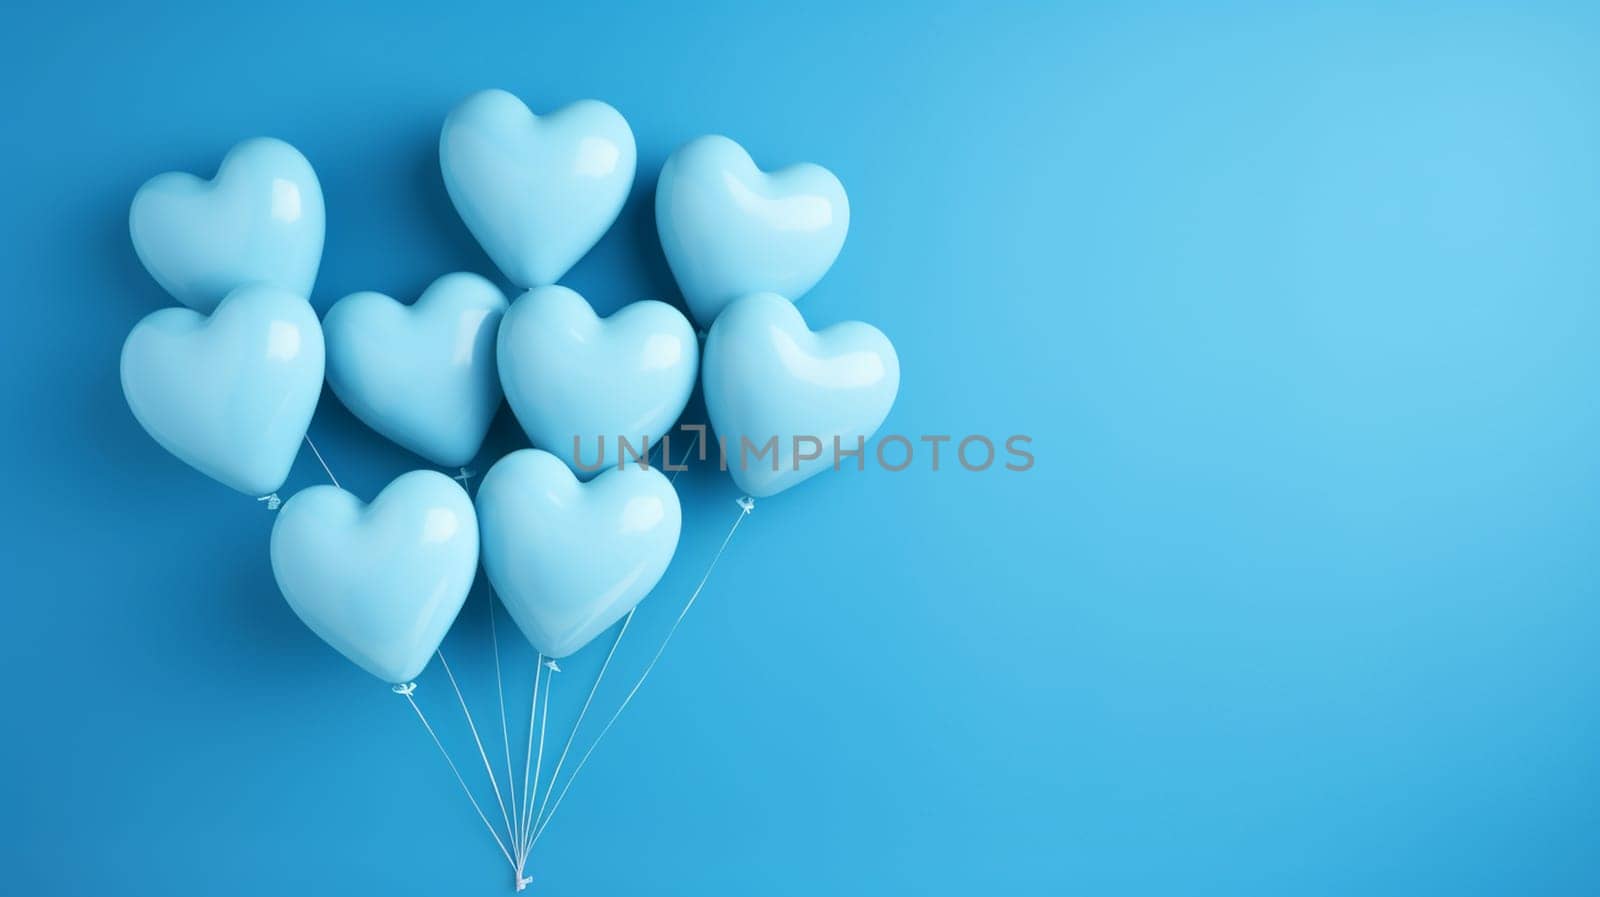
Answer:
(260, 220)
(381, 583)
(730, 229)
(230, 394)
(536, 191)
(424, 374)
(571, 374)
(568, 558)
(767, 376)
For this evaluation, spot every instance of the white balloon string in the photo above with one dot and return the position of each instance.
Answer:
(505, 733)
(531, 785)
(556, 773)
(746, 505)
(405, 691)
(529, 774)
(544, 724)
(487, 766)
(325, 469)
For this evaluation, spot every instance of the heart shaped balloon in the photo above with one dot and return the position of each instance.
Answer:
(767, 377)
(423, 375)
(260, 220)
(568, 559)
(572, 376)
(381, 583)
(230, 394)
(537, 192)
(729, 229)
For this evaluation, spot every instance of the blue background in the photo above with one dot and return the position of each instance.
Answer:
(1298, 304)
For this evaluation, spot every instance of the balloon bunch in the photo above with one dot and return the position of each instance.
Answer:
(230, 383)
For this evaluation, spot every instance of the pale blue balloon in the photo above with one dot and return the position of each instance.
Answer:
(260, 220)
(537, 191)
(230, 394)
(767, 376)
(423, 374)
(570, 374)
(729, 229)
(567, 558)
(381, 583)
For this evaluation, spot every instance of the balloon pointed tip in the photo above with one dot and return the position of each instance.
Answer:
(403, 688)
(273, 501)
(552, 666)
(747, 503)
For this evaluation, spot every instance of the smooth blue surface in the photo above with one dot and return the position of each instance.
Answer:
(537, 191)
(568, 558)
(729, 229)
(381, 583)
(421, 374)
(260, 220)
(787, 403)
(574, 378)
(230, 393)
(1297, 301)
